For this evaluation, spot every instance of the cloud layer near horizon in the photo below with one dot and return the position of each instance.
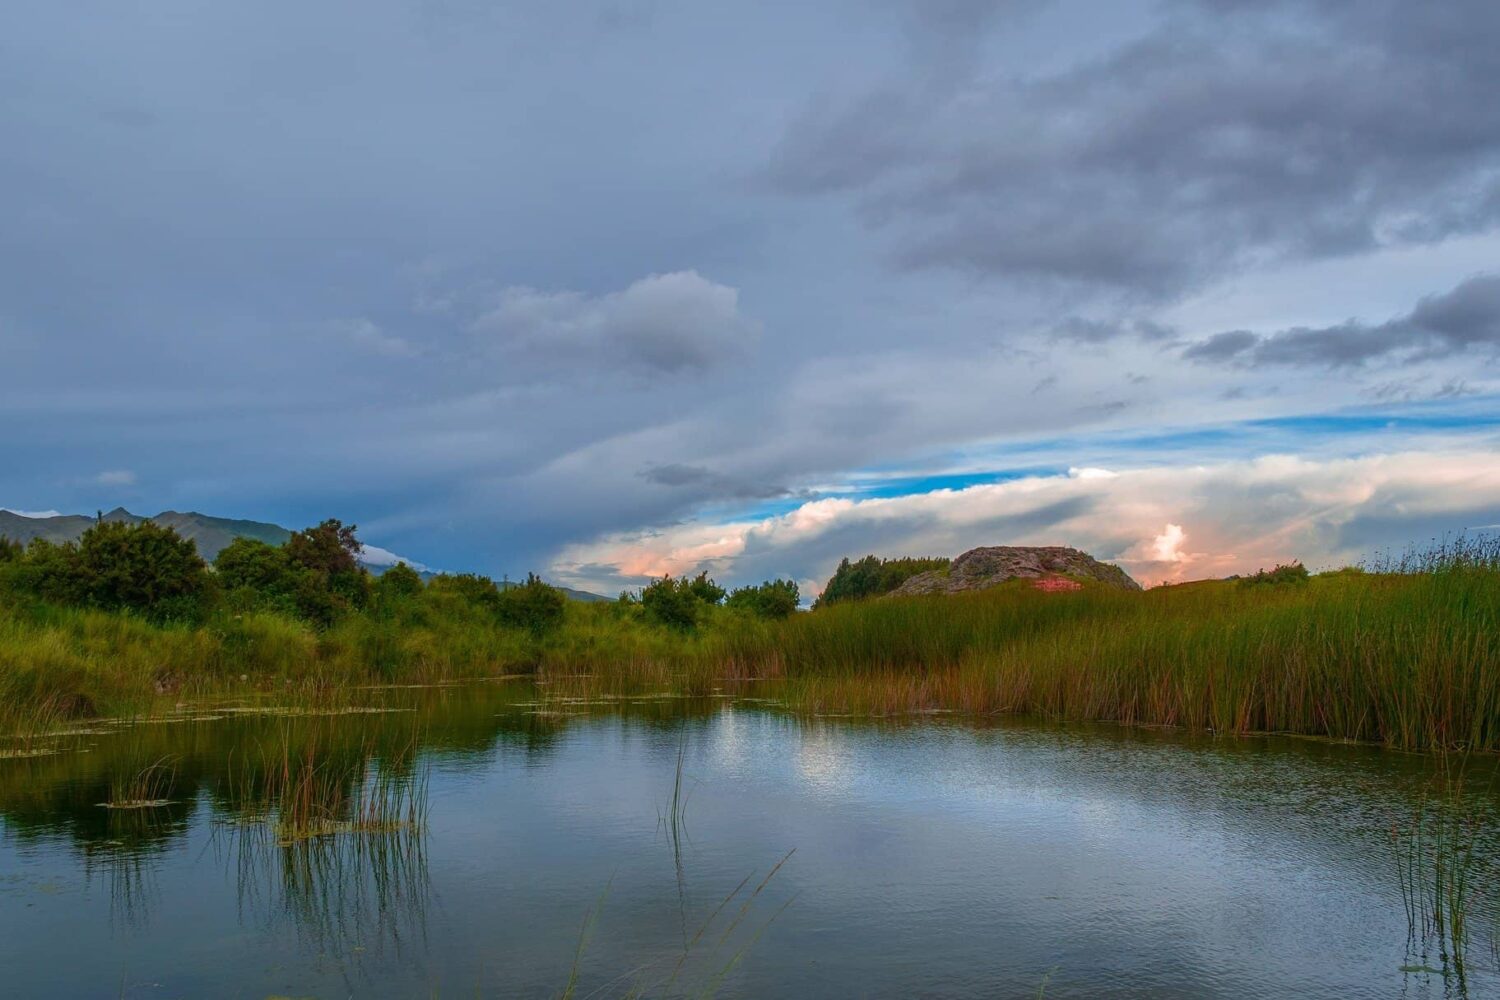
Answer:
(1161, 525)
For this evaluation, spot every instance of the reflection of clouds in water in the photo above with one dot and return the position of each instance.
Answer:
(824, 759)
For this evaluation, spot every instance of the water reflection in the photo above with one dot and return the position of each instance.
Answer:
(462, 837)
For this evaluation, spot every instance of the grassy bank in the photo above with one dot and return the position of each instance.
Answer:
(1411, 660)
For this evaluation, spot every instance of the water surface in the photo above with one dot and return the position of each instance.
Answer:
(936, 858)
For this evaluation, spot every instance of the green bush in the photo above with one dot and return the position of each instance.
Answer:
(479, 592)
(873, 576)
(332, 551)
(142, 567)
(772, 599)
(1292, 573)
(679, 603)
(398, 582)
(532, 605)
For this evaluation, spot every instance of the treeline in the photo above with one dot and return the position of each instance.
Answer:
(315, 577)
(873, 576)
(683, 603)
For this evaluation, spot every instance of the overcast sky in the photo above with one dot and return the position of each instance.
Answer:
(608, 290)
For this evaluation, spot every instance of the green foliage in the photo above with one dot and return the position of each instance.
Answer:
(478, 592)
(116, 566)
(47, 571)
(533, 606)
(705, 590)
(398, 582)
(679, 603)
(10, 551)
(1290, 574)
(332, 551)
(772, 599)
(260, 576)
(873, 576)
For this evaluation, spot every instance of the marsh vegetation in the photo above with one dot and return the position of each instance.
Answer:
(1404, 652)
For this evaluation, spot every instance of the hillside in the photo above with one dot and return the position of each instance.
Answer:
(210, 534)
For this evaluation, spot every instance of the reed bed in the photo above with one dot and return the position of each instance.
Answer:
(1405, 653)
(1408, 660)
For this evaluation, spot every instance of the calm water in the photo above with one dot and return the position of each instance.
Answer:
(935, 859)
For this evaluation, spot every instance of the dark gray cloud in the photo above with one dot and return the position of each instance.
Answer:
(1225, 134)
(711, 484)
(1464, 319)
(662, 323)
(1093, 331)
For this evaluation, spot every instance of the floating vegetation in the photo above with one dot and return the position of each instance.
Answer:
(21, 753)
(149, 788)
(300, 712)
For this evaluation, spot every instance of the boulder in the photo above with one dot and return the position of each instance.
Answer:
(1053, 567)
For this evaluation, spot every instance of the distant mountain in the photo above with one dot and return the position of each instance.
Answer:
(210, 534)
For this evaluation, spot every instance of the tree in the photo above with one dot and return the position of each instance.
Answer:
(332, 551)
(479, 592)
(144, 567)
(330, 548)
(873, 576)
(51, 572)
(10, 551)
(250, 564)
(400, 581)
(772, 599)
(705, 589)
(261, 575)
(679, 603)
(532, 605)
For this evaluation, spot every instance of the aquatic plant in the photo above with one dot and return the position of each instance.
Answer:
(148, 788)
(1442, 869)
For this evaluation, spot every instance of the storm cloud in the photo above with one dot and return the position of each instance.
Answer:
(1464, 319)
(1218, 135)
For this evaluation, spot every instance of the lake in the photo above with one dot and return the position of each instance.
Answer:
(592, 849)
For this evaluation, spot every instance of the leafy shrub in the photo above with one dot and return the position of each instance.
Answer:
(144, 567)
(1292, 573)
(10, 551)
(398, 582)
(673, 603)
(332, 551)
(532, 605)
(873, 576)
(474, 590)
(772, 599)
(704, 589)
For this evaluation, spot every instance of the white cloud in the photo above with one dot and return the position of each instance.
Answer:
(1239, 515)
(374, 555)
(32, 513)
(664, 322)
(367, 336)
(116, 477)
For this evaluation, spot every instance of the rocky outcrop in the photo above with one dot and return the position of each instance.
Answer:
(1053, 567)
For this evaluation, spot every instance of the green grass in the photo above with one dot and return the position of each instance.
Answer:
(1409, 658)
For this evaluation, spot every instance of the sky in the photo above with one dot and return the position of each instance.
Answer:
(610, 290)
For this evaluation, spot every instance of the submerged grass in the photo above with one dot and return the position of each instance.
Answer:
(1446, 872)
